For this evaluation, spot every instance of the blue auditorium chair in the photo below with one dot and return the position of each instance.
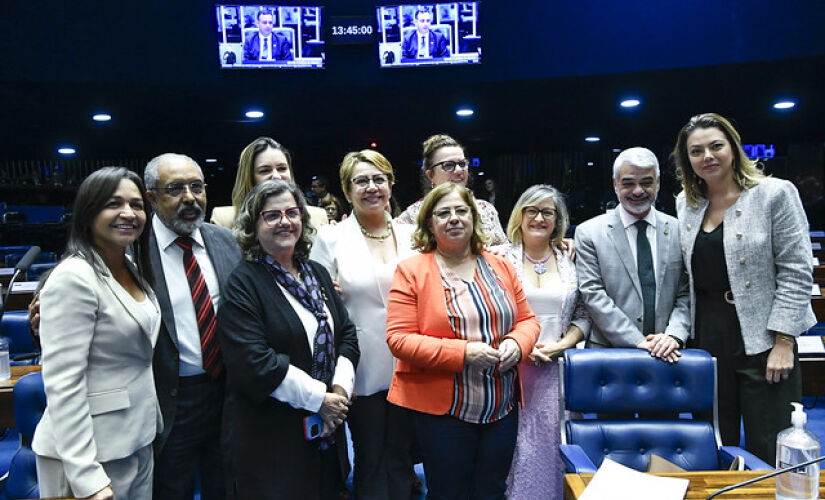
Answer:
(15, 326)
(615, 384)
(29, 404)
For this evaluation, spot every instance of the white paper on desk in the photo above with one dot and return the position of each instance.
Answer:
(816, 291)
(816, 261)
(614, 481)
(810, 344)
(24, 286)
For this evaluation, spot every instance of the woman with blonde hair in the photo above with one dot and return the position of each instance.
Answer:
(747, 251)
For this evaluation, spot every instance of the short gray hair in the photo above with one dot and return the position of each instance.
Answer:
(638, 157)
(245, 228)
(150, 173)
(532, 196)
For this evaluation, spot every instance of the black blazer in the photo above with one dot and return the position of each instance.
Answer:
(225, 254)
(261, 335)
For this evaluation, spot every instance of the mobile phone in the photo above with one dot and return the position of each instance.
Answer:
(313, 426)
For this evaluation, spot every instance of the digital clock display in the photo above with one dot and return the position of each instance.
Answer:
(352, 30)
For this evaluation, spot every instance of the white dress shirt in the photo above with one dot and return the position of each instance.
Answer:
(180, 295)
(298, 388)
(629, 222)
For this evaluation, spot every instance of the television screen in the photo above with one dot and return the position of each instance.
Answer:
(428, 34)
(269, 36)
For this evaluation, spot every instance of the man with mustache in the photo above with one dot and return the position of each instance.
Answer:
(630, 269)
(187, 255)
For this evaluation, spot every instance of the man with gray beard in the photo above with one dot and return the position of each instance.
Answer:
(190, 262)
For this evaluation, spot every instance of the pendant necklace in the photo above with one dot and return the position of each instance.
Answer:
(538, 265)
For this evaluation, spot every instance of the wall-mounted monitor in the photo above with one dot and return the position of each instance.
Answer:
(428, 34)
(270, 36)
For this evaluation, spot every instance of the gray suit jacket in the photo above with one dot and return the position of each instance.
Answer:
(97, 351)
(225, 254)
(768, 257)
(609, 281)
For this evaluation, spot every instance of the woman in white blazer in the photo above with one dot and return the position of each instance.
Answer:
(98, 326)
(361, 254)
(747, 250)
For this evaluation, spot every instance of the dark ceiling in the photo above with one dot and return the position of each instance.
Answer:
(551, 73)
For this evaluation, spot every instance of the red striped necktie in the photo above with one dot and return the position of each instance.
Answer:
(204, 312)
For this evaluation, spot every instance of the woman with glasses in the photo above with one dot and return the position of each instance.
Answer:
(98, 326)
(444, 161)
(361, 254)
(537, 224)
(263, 159)
(458, 322)
(290, 352)
(747, 251)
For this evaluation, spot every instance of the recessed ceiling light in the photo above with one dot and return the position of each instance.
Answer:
(784, 105)
(592, 138)
(66, 150)
(617, 150)
(590, 164)
(630, 103)
(211, 160)
(464, 112)
(254, 113)
(101, 117)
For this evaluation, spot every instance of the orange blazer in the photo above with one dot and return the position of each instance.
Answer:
(420, 336)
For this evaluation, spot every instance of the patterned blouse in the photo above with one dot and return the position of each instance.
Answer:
(480, 311)
(489, 220)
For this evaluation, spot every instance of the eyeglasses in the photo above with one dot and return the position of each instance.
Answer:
(450, 165)
(460, 211)
(533, 212)
(362, 181)
(175, 189)
(273, 217)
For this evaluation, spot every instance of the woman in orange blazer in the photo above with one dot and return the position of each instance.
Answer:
(458, 322)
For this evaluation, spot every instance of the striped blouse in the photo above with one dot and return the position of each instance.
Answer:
(480, 310)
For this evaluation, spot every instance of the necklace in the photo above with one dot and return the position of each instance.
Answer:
(538, 265)
(382, 236)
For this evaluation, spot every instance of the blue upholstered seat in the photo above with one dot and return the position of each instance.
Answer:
(618, 383)
(29, 404)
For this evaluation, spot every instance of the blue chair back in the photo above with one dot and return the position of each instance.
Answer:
(29, 404)
(15, 326)
(617, 383)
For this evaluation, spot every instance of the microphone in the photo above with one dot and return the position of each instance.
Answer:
(27, 259)
(766, 476)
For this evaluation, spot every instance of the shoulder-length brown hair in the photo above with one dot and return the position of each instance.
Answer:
(423, 239)
(245, 228)
(746, 173)
(245, 177)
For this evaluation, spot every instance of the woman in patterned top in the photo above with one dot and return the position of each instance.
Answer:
(444, 161)
(458, 322)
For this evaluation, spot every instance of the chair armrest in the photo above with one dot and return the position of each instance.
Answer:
(575, 459)
(728, 453)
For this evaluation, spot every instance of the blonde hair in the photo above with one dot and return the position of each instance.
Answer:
(370, 156)
(532, 196)
(423, 239)
(746, 173)
(245, 177)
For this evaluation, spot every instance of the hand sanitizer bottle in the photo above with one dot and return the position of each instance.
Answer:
(796, 445)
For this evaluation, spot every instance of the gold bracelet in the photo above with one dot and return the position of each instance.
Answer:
(787, 338)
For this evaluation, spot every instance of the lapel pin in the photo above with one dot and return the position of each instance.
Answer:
(667, 231)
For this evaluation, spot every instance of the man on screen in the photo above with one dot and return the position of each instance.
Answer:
(265, 45)
(423, 43)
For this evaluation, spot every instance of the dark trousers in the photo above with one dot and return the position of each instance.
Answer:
(744, 395)
(382, 438)
(193, 444)
(463, 460)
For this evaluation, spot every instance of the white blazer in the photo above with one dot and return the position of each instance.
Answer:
(97, 371)
(342, 249)
(768, 256)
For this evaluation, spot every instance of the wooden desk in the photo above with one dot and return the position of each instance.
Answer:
(702, 484)
(6, 391)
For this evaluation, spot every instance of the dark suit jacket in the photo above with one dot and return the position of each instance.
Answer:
(438, 45)
(261, 335)
(224, 253)
(280, 48)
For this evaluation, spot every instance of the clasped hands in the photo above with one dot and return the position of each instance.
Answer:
(662, 346)
(334, 409)
(482, 356)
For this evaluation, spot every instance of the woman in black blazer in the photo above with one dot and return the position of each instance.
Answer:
(275, 324)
